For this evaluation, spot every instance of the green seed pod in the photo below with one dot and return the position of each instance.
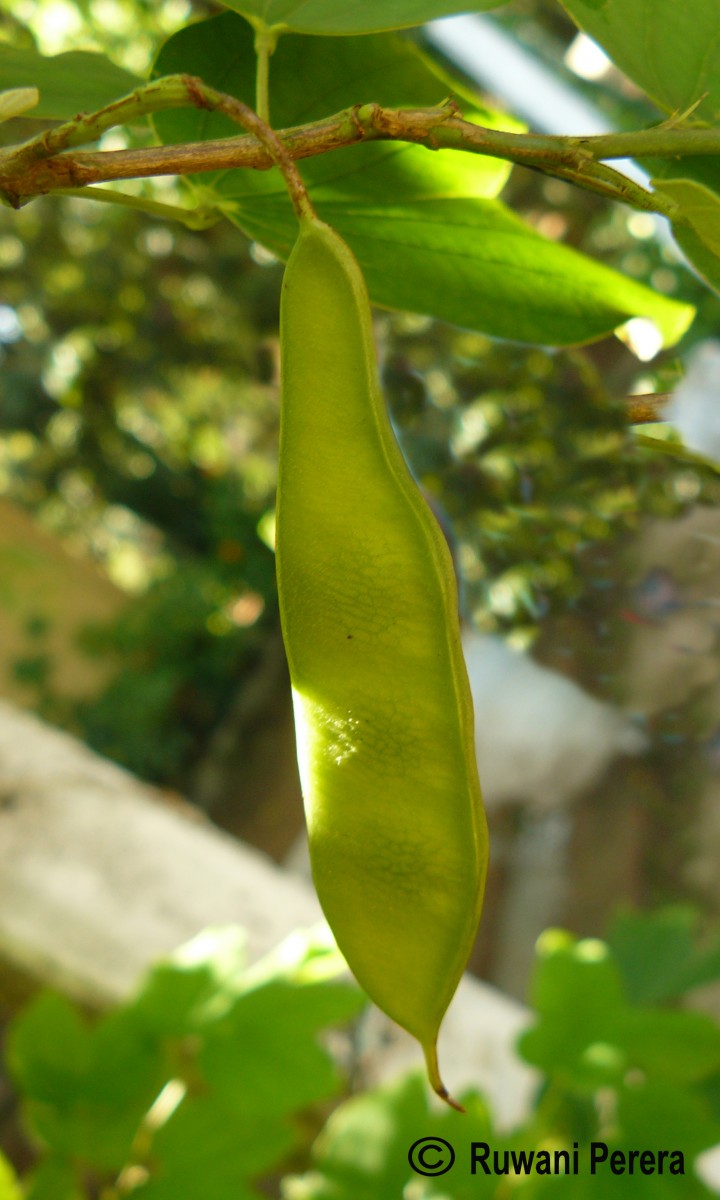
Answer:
(383, 713)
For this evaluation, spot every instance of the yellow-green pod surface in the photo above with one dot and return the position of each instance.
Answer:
(383, 712)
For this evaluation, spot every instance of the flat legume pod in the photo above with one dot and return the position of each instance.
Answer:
(383, 712)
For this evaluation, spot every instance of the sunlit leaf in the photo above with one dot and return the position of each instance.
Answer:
(17, 102)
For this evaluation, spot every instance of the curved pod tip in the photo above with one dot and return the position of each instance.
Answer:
(436, 1083)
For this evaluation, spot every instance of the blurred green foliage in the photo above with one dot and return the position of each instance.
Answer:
(628, 1075)
(210, 1082)
(191, 1089)
(140, 420)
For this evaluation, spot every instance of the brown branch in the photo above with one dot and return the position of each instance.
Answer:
(647, 409)
(39, 167)
(82, 168)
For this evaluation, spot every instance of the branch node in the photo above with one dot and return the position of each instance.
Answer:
(196, 92)
(354, 117)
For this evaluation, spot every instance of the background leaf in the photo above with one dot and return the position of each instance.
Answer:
(195, 986)
(79, 81)
(86, 1086)
(204, 1153)
(581, 1010)
(657, 955)
(353, 16)
(54, 1179)
(362, 1154)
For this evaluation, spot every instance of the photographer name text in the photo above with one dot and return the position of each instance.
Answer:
(597, 1158)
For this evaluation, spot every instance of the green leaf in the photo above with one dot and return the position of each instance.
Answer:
(477, 265)
(265, 1058)
(204, 1153)
(48, 1049)
(54, 1180)
(78, 81)
(362, 1153)
(587, 1036)
(577, 991)
(86, 1088)
(702, 168)
(670, 48)
(311, 80)
(426, 234)
(195, 986)
(672, 1046)
(657, 956)
(700, 207)
(652, 951)
(353, 16)
(664, 1115)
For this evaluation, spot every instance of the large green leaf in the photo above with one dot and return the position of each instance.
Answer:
(195, 985)
(309, 80)
(265, 1057)
(670, 48)
(475, 264)
(428, 237)
(352, 16)
(78, 81)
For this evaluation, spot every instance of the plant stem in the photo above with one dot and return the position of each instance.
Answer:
(265, 42)
(43, 165)
(192, 218)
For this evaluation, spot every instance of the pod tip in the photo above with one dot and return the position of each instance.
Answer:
(436, 1082)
